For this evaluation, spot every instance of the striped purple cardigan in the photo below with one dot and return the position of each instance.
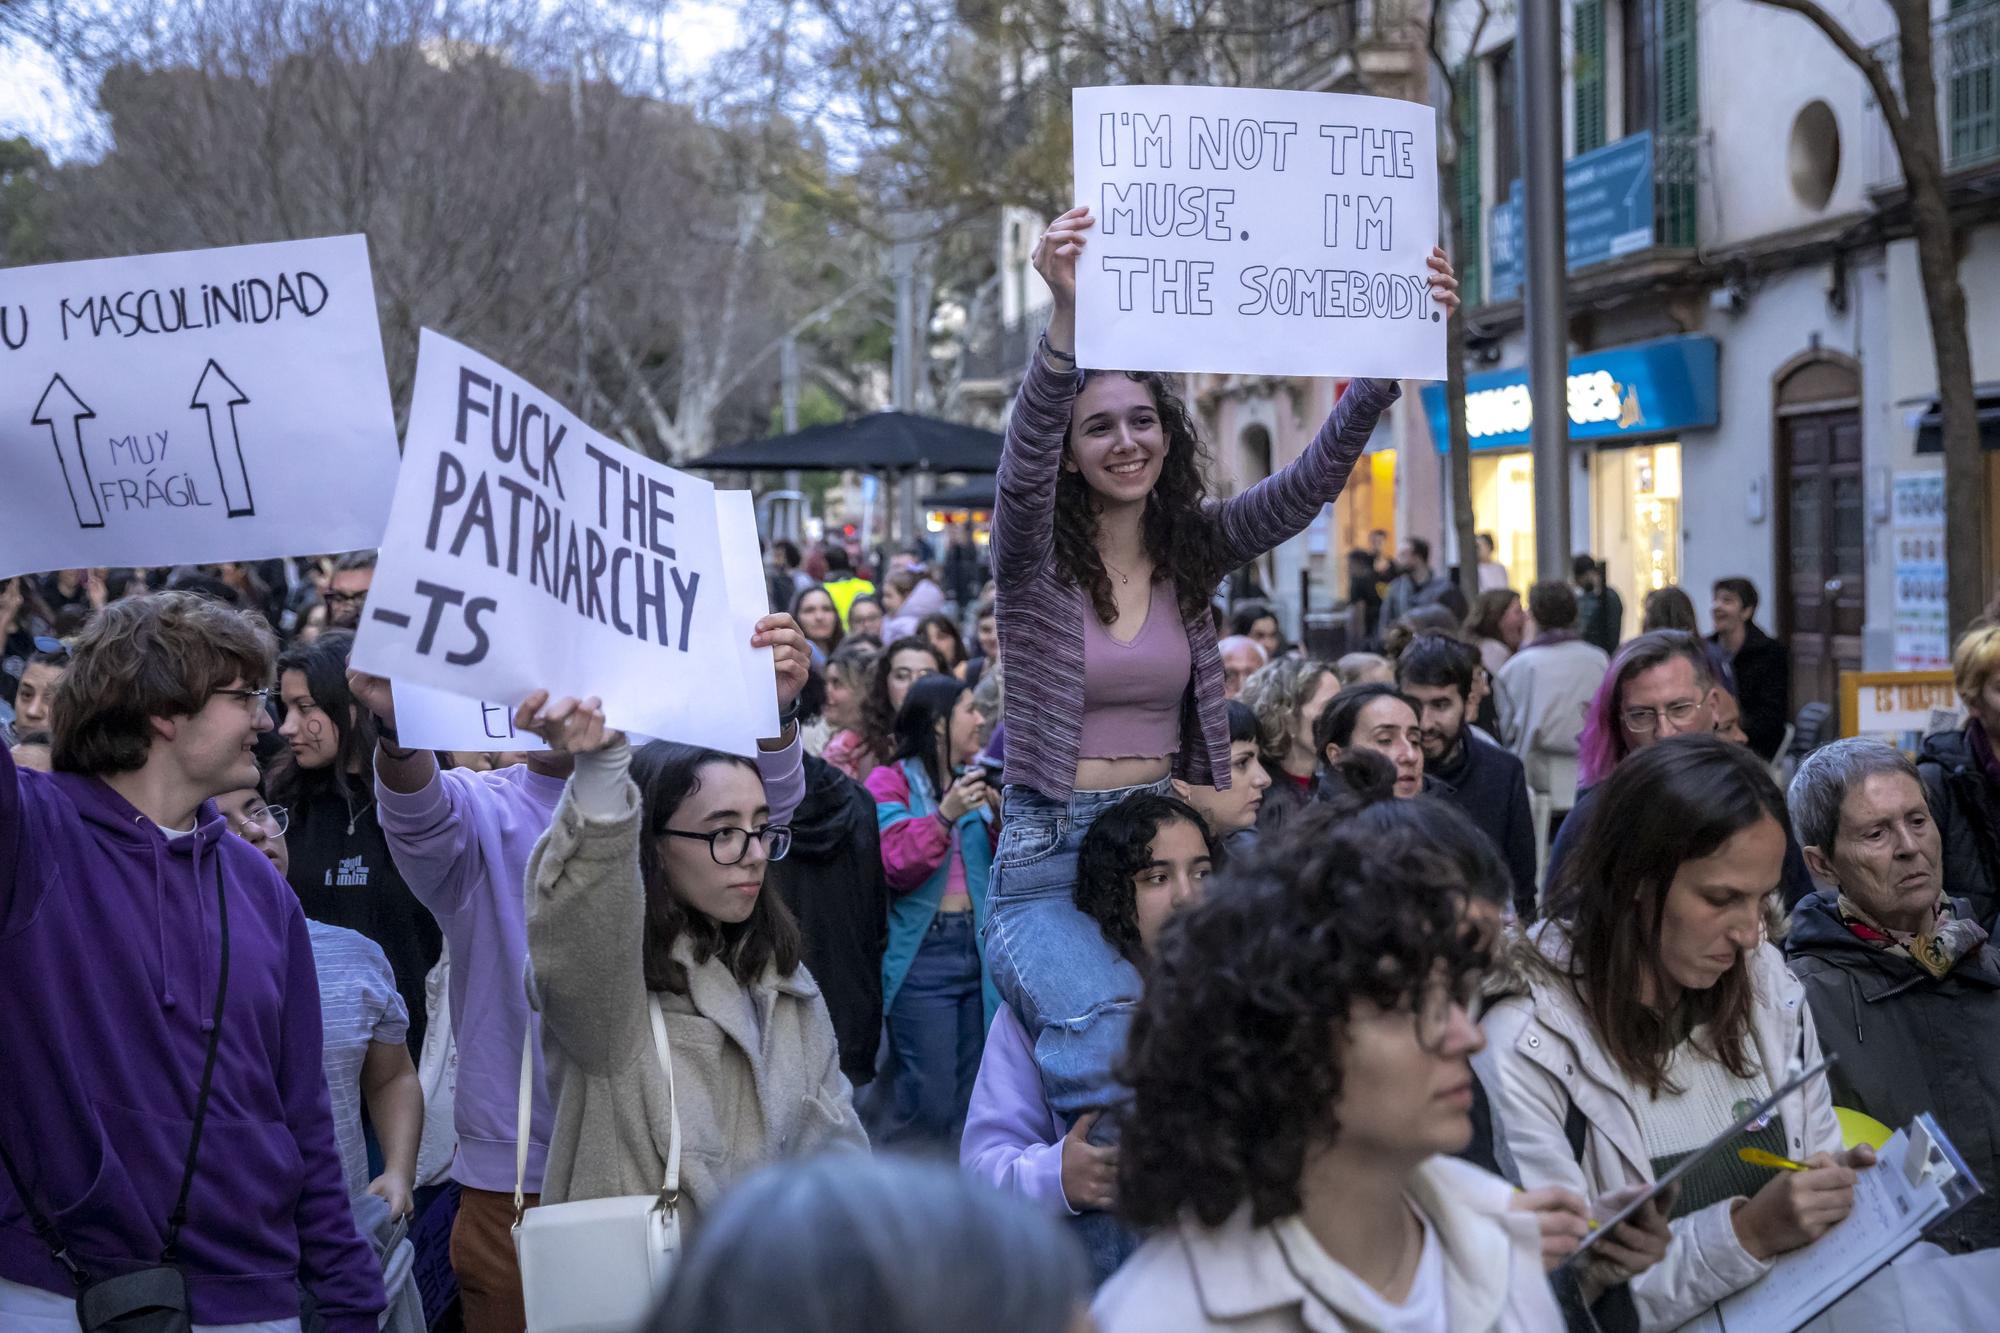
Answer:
(1040, 614)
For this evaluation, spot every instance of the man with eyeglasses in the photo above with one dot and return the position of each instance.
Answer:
(461, 839)
(347, 589)
(1659, 687)
(145, 955)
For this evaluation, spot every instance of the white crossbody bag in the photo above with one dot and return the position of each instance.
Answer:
(597, 1265)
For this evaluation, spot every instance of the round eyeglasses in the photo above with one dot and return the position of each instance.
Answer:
(728, 846)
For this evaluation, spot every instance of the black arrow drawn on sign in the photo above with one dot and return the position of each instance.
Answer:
(216, 389)
(64, 414)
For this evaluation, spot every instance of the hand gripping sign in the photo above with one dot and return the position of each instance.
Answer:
(192, 407)
(525, 551)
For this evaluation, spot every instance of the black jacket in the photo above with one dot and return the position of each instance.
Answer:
(1910, 1042)
(832, 881)
(1763, 688)
(1965, 807)
(344, 876)
(1793, 888)
(1491, 786)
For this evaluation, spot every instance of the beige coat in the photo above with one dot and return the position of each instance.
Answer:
(1541, 1058)
(749, 1092)
(1235, 1277)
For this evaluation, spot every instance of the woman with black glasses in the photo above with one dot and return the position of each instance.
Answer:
(648, 889)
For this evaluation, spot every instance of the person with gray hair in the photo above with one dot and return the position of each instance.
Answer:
(848, 1244)
(1903, 983)
(1241, 657)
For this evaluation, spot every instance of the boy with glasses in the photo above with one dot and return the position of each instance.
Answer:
(148, 961)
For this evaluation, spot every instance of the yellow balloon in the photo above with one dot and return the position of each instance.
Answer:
(1857, 1128)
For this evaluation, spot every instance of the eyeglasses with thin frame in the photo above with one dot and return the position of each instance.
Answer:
(346, 598)
(272, 819)
(1645, 721)
(1439, 998)
(728, 846)
(255, 698)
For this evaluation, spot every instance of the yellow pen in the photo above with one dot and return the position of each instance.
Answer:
(1758, 1157)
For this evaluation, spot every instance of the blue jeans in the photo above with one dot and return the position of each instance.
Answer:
(1071, 990)
(937, 1029)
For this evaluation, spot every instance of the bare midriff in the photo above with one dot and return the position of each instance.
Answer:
(1111, 774)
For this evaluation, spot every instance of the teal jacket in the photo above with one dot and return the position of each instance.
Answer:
(916, 860)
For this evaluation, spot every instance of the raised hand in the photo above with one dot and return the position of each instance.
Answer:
(568, 725)
(373, 693)
(1444, 282)
(1057, 252)
(791, 655)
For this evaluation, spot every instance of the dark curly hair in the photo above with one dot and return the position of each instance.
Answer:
(878, 717)
(1181, 534)
(1234, 1058)
(1119, 846)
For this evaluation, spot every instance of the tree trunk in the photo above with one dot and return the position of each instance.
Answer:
(1944, 304)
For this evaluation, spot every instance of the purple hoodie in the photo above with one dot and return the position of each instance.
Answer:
(462, 844)
(109, 959)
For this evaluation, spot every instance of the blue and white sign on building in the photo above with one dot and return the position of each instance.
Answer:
(1647, 389)
(1607, 212)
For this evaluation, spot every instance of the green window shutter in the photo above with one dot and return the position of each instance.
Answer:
(1469, 209)
(1588, 75)
(1674, 161)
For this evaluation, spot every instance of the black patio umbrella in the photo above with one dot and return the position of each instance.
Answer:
(974, 494)
(878, 442)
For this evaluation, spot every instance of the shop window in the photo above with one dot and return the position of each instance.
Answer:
(1503, 503)
(1636, 520)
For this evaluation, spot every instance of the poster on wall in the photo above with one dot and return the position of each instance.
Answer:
(1922, 618)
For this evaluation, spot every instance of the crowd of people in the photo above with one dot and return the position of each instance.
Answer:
(1177, 978)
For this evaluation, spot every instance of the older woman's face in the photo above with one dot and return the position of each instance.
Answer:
(864, 618)
(1887, 855)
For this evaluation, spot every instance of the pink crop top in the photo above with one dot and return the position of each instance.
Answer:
(1133, 692)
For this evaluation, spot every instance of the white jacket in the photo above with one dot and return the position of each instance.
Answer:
(1542, 1056)
(1235, 1277)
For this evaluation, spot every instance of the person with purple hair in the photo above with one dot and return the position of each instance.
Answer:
(1659, 686)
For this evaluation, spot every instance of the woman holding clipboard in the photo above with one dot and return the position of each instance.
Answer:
(1650, 1013)
(1107, 550)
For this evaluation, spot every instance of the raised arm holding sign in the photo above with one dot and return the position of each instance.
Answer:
(1119, 686)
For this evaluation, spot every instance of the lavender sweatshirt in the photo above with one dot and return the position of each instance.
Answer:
(110, 955)
(462, 843)
(1013, 1140)
(1041, 613)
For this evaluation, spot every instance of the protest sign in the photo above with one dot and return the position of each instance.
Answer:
(192, 407)
(525, 551)
(1255, 231)
(428, 719)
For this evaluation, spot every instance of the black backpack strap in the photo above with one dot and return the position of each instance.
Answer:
(178, 1218)
(1574, 1128)
(43, 1227)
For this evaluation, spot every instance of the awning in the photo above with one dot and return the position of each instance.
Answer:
(1930, 424)
(878, 442)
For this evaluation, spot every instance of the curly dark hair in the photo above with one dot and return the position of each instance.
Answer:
(1234, 1058)
(878, 717)
(1181, 534)
(1119, 846)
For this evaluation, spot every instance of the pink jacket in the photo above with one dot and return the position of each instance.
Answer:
(914, 848)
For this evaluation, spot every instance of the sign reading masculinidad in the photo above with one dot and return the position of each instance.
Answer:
(1259, 232)
(193, 407)
(525, 551)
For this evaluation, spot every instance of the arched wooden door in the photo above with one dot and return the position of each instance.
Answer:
(1821, 506)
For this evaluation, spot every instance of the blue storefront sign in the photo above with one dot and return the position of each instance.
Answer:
(1607, 212)
(1646, 389)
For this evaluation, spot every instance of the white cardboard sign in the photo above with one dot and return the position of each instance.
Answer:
(428, 719)
(1255, 231)
(193, 407)
(525, 551)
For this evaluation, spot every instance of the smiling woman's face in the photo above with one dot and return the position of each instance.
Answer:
(1117, 442)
